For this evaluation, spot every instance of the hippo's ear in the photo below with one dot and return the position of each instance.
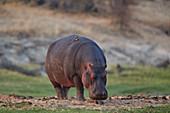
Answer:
(105, 66)
(90, 66)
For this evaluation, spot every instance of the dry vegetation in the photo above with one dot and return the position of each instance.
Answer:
(140, 20)
(20, 102)
(20, 19)
(121, 14)
(136, 23)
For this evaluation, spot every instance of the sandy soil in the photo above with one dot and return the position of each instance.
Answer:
(114, 102)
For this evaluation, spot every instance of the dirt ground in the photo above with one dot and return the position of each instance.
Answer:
(51, 103)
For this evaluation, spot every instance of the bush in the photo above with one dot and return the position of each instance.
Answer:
(121, 13)
(10, 1)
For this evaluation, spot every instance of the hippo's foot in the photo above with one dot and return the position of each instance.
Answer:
(62, 92)
(81, 99)
(61, 97)
(98, 102)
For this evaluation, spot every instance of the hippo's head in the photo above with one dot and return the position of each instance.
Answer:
(94, 79)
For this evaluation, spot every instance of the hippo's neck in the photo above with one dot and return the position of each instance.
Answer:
(89, 54)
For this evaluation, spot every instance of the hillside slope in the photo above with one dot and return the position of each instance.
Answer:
(26, 31)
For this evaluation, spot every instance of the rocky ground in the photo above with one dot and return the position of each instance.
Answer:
(114, 102)
(26, 33)
(33, 50)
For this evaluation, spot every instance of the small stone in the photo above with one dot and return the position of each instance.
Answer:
(164, 98)
(168, 97)
(30, 97)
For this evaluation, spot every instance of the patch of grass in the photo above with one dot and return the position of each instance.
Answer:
(145, 80)
(14, 82)
(30, 66)
(159, 109)
(142, 80)
(42, 110)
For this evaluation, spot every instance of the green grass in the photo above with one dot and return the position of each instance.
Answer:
(42, 110)
(144, 80)
(14, 82)
(159, 109)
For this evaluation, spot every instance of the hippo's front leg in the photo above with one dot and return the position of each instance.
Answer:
(79, 88)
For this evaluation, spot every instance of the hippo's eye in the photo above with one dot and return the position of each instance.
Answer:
(93, 76)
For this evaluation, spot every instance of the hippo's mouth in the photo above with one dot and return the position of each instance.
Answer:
(98, 97)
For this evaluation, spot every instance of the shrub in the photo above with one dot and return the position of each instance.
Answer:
(121, 13)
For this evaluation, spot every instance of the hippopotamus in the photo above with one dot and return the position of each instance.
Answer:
(77, 61)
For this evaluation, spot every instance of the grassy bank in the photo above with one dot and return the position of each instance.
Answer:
(162, 109)
(145, 80)
(142, 80)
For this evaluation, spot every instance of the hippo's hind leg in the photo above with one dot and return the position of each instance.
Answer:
(59, 90)
(65, 91)
(62, 92)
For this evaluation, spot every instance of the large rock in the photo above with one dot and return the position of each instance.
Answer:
(24, 51)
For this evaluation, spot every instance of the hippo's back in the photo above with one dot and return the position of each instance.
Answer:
(61, 57)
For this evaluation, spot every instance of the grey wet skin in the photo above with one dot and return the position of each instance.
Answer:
(76, 61)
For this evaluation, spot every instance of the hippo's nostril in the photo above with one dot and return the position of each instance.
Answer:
(103, 94)
(97, 94)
